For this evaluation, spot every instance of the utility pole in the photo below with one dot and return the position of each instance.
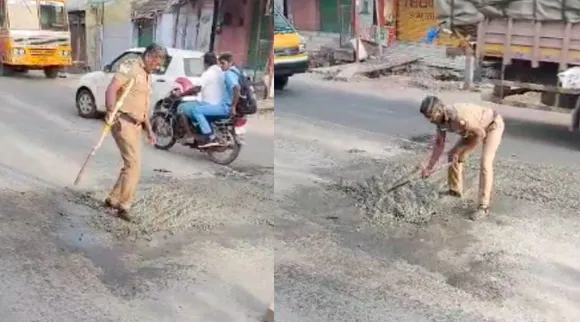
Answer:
(216, 8)
(378, 13)
(355, 28)
(270, 90)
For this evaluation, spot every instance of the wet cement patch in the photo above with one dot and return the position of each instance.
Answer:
(373, 195)
(62, 224)
(167, 206)
(53, 232)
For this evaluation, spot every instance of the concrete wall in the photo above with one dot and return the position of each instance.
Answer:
(236, 38)
(204, 30)
(315, 39)
(93, 47)
(117, 32)
(76, 5)
(305, 14)
(193, 27)
(164, 29)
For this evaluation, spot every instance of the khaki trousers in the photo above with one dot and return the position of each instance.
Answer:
(490, 144)
(128, 138)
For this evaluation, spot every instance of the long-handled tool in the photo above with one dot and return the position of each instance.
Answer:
(409, 178)
(106, 129)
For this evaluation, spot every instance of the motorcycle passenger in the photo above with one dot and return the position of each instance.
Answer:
(232, 81)
(212, 90)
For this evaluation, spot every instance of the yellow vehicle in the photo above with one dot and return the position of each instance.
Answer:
(34, 35)
(290, 56)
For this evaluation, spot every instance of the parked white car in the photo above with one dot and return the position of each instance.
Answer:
(90, 95)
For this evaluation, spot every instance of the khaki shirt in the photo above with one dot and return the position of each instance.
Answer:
(466, 116)
(136, 103)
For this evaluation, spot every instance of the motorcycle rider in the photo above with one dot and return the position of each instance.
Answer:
(212, 91)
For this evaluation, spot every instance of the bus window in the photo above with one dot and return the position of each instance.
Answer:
(53, 16)
(22, 14)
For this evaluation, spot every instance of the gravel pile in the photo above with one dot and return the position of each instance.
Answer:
(412, 203)
(170, 206)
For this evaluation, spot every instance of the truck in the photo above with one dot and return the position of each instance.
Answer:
(290, 56)
(34, 35)
(520, 45)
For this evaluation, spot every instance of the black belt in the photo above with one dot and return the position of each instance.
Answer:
(129, 118)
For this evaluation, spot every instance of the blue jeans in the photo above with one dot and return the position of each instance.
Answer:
(199, 110)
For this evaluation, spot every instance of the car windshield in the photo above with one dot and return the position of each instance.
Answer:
(193, 67)
(281, 24)
(23, 14)
(53, 16)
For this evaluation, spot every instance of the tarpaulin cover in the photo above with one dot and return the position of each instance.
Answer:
(469, 12)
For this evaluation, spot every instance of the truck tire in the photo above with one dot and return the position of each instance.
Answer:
(567, 101)
(280, 82)
(51, 72)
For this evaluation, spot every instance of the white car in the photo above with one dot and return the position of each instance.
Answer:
(90, 95)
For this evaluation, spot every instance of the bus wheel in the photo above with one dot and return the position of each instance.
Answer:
(6, 70)
(51, 72)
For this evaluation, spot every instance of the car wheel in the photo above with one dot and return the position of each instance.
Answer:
(86, 105)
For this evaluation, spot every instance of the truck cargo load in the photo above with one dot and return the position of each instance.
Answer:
(470, 12)
(522, 44)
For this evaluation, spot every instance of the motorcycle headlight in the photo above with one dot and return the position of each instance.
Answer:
(18, 51)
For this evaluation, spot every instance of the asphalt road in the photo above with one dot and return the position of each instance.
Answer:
(205, 251)
(338, 262)
(196, 255)
(395, 113)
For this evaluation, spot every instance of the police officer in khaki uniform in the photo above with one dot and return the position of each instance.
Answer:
(477, 125)
(131, 119)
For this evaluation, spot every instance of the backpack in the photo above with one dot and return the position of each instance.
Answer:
(248, 103)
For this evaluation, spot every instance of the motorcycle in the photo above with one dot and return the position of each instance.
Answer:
(168, 130)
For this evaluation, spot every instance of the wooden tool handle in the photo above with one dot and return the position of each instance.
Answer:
(408, 181)
(105, 131)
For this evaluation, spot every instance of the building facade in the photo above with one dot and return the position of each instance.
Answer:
(378, 21)
(103, 30)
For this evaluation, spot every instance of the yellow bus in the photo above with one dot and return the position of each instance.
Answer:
(290, 56)
(34, 35)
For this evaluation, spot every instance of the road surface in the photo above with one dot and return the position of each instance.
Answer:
(201, 252)
(336, 262)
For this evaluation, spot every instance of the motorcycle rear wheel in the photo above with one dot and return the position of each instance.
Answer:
(234, 152)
